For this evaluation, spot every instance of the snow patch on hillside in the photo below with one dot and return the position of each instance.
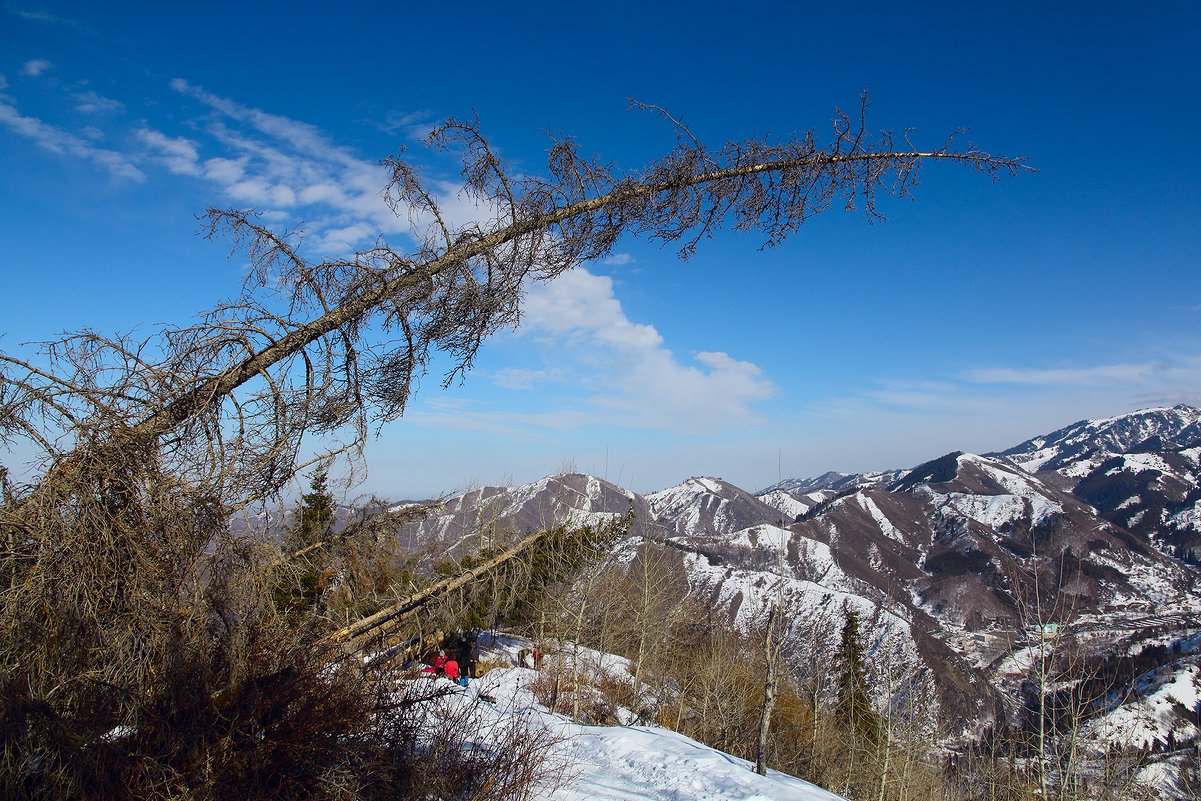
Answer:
(1138, 462)
(767, 537)
(1187, 518)
(1166, 703)
(789, 506)
(886, 526)
(996, 511)
(1019, 484)
(1083, 467)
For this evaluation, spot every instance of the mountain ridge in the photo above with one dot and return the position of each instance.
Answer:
(946, 560)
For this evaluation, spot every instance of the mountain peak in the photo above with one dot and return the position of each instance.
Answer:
(1178, 426)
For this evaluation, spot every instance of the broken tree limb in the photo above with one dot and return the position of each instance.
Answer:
(352, 635)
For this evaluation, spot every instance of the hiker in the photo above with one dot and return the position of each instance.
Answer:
(439, 664)
(450, 669)
(537, 657)
(465, 659)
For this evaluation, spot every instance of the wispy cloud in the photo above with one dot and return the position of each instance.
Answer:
(290, 171)
(91, 103)
(56, 140)
(523, 378)
(620, 259)
(914, 394)
(283, 166)
(35, 67)
(179, 155)
(1120, 373)
(45, 18)
(415, 125)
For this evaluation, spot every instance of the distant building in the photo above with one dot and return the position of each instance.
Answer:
(1043, 631)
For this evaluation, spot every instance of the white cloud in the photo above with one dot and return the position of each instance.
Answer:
(635, 379)
(91, 103)
(47, 18)
(580, 303)
(224, 171)
(56, 140)
(620, 259)
(290, 171)
(279, 164)
(179, 155)
(1122, 373)
(35, 67)
(416, 125)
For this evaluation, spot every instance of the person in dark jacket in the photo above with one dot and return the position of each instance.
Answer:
(465, 661)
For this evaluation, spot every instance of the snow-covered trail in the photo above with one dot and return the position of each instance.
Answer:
(628, 763)
(618, 763)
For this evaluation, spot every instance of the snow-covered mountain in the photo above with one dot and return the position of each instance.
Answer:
(1141, 471)
(1146, 430)
(957, 565)
(495, 515)
(833, 483)
(708, 505)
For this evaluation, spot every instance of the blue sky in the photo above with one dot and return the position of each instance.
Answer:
(979, 314)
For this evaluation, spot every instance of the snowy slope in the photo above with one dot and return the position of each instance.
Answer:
(572, 499)
(616, 763)
(1179, 425)
(708, 505)
(1140, 471)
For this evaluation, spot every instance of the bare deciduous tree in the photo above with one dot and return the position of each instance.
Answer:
(333, 347)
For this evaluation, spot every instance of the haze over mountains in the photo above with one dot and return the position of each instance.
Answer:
(959, 565)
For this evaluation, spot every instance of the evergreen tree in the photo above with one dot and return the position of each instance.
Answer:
(853, 705)
(316, 514)
(305, 543)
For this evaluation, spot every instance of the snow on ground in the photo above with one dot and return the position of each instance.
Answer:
(1034, 461)
(996, 511)
(1083, 467)
(1017, 483)
(1166, 700)
(768, 537)
(788, 506)
(616, 763)
(1137, 462)
(637, 762)
(886, 526)
(1187, 518)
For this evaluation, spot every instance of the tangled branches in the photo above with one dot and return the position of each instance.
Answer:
(119, 577)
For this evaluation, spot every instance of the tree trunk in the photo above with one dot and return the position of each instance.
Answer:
(769, 692)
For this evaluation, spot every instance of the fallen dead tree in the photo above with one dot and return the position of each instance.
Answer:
(128, 605)
(356, 636)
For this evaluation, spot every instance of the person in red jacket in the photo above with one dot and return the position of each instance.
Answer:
(439, 664)
(450, 669)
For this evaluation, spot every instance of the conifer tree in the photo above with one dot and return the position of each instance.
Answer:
(316, 511)
(853, 706)
(305, 544)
